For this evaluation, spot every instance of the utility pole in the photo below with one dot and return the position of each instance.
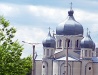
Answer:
(34, 57)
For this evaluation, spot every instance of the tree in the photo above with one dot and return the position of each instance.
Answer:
(11, 62)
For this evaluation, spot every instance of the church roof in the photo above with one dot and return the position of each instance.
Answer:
(49, 41)
(95, 59)
(70, 27)
(87, 42)
(69, 58)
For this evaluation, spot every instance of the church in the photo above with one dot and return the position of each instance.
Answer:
(68, 52)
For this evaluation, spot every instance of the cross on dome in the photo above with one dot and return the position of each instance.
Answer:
(49, 29)
(53, 31)
(71, 6)
(49, 34)
(87, 31)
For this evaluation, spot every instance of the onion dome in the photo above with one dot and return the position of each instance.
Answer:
(87, 42)
(70, 27)
(92, 40)
(49, 41)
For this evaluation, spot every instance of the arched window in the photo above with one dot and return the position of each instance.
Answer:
(47, 51)
(86, 53)
(89, 68)
(43, 66)
(90, 53)
(60, 43)
(77, 43)
(68, 43)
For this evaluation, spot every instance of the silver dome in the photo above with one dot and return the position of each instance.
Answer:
(93, 42)
(70, 27)
(87, 42)
(49, 41)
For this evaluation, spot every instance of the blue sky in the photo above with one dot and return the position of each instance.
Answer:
(32, 18)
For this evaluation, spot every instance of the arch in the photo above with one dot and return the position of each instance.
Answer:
(89, 68)
(63, 66)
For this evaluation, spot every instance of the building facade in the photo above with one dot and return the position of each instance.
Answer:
(82, 53)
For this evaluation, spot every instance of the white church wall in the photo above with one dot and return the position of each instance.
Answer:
(74, 67)
(38, 67)
(96, 52)
(44, 68)
(50, 66)
(95, 67)
(55, 67)
(87, 67)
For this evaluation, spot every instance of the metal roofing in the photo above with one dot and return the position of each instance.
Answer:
(70, 27)
(87, 42)
(49, 41)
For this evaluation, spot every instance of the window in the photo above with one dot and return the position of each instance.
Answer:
(77, 43)
(68, 43)
(43, 66)
(60, 43)
(47, 51)
(86, 53)
(90, 53)
(89, 68)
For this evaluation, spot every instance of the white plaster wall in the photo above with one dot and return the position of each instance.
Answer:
(45, 68)
(89, 55)
(76, 69)
(38, 67)
(89, 71)
(55, 68)
(51, 52)
(59, 68)
(50, 67)
(85, 67)
(95, 67)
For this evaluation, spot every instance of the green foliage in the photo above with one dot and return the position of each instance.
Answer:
(11, 51)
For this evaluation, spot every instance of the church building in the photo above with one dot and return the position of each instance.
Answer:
(68, 52)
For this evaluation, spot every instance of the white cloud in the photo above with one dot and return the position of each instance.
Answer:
(48, 13)
(30, 35)
(8, 10)
(85, 16)
(57, 15)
